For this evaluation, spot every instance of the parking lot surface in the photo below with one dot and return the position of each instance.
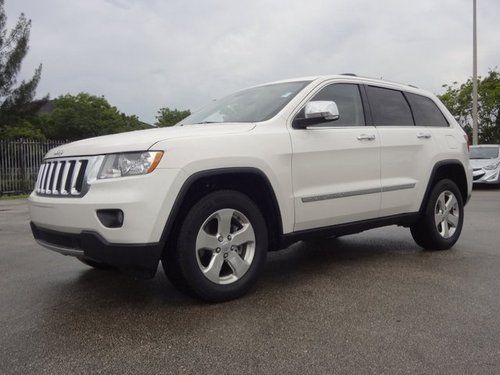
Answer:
(367, 303)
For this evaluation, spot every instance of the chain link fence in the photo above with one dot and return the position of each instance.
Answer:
(19, 163)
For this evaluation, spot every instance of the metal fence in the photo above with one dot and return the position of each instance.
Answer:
(19, 163)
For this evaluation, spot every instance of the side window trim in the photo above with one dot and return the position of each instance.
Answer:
(366, 105)
(409, 106)
(361, 93)
(363, 104)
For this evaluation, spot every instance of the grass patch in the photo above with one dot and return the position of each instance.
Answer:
(16, 196)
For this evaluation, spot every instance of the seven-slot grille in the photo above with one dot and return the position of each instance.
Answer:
(61, 177)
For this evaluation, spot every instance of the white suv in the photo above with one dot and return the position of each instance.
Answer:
(252, 173)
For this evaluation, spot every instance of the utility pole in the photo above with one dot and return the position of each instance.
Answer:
(475, 127)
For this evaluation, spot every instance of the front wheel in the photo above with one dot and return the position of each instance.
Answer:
(221, 247)
(441, 224)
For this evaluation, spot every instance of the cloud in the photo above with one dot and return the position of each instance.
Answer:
(143, 55)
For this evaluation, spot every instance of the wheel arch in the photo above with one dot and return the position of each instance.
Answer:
(452, 169)
(248, 180)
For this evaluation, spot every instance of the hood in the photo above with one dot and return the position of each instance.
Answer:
(480, 163)
(141, 140)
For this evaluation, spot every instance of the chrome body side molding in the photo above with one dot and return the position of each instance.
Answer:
(316, 198)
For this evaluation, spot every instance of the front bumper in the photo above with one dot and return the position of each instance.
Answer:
(484, 176)
(146, 202)
(140, 260)
(71, 226)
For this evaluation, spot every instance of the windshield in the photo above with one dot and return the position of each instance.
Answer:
(251, 105)
(484, 152)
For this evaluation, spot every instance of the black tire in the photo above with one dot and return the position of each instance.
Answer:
(425, 232)
(181, 264)
(96, 265)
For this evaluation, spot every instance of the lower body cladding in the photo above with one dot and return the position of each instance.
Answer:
(118, 222)
(139, 260)
(483, 176)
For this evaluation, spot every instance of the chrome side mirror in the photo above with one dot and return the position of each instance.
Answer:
(322, 109)
(316, 112)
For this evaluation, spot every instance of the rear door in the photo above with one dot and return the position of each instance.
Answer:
(427, 114)
(406, 151)
(336, 165)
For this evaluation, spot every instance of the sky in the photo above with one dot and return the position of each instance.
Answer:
(146, 54)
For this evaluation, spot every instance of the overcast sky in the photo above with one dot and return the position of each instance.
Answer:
(146, 54)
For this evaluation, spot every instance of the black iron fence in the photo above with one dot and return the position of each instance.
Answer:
(19, 163)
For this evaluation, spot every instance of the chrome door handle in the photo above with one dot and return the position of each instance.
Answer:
(366, 137)
(424, 135)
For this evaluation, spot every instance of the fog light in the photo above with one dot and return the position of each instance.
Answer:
(111, 218)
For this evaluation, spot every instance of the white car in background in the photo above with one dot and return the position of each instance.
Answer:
(485, 161)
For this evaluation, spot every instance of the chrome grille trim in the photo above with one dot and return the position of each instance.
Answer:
(56, 177)
(49, 179)
(73, 188)
(65, 177)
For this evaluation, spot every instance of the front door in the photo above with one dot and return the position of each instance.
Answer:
(336, 165)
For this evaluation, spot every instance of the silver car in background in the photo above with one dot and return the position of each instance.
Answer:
(485, 161)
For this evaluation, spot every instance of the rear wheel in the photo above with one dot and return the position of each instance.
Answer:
(221, 247)
(441, 224)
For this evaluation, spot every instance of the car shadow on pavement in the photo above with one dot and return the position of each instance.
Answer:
(122, 288)
(109, 301)
(326, 255)
(298, 263)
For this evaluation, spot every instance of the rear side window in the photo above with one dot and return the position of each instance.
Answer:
(348, 100)
(389, 107)
(425, 111)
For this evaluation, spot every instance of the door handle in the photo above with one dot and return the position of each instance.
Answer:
(424, 135)
(366, 137)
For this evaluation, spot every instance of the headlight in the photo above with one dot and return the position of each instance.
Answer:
(129, 164)
(492, 166)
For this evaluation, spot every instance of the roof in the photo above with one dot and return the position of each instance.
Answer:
(350, 77)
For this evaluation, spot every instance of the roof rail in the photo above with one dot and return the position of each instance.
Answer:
(377, 79)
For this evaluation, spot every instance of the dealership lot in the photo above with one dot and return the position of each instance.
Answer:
(371, 302)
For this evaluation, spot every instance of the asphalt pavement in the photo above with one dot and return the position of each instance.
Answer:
(367, 303)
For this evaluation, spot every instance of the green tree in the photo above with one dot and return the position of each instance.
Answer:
(82, 116)
(22, 129)
(169, 117)
(458, 99)
(13, 49)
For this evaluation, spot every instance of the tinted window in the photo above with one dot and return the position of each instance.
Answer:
(425, 111)
(389, 107)
(483, 152)
(348, 100)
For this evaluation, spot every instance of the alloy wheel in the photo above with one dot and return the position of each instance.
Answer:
(446, 214)
(225, 246)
